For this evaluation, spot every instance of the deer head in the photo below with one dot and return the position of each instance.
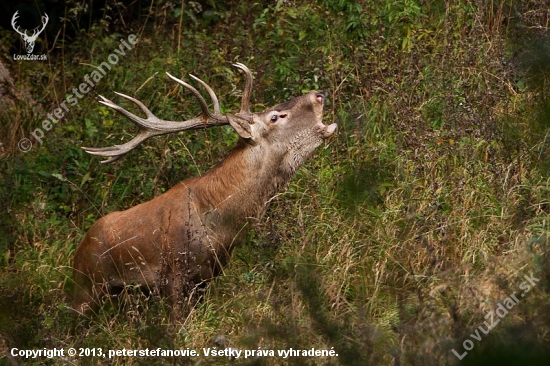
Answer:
(29, 40)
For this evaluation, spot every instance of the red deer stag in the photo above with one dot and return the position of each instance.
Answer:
(178, 241)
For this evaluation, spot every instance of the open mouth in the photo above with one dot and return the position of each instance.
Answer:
(321, 98)
(326, 131)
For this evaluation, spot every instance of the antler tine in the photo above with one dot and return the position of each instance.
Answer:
(247, 91)
(118, 151)
(132, 117)
(204, 107)
(211, 93)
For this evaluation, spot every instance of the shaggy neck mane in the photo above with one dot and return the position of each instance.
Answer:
(242, 184)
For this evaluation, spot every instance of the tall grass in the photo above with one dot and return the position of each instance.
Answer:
(390, 245)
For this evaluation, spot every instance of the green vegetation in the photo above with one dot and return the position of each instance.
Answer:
(391, 244)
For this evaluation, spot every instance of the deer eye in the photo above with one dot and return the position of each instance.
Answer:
(274, 118)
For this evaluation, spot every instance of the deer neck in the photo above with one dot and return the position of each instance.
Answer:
(241, 186)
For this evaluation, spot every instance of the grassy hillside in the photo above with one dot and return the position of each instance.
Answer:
(392, 245)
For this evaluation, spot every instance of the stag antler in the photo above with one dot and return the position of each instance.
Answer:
(247, 92)
(154, 126)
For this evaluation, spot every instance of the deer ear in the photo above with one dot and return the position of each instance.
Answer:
(241, 125)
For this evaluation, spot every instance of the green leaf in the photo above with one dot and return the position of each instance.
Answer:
(85, 178)
(59, 176)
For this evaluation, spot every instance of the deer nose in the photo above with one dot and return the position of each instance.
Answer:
(320, 98)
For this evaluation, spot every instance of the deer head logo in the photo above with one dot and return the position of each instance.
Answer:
(29, 40)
